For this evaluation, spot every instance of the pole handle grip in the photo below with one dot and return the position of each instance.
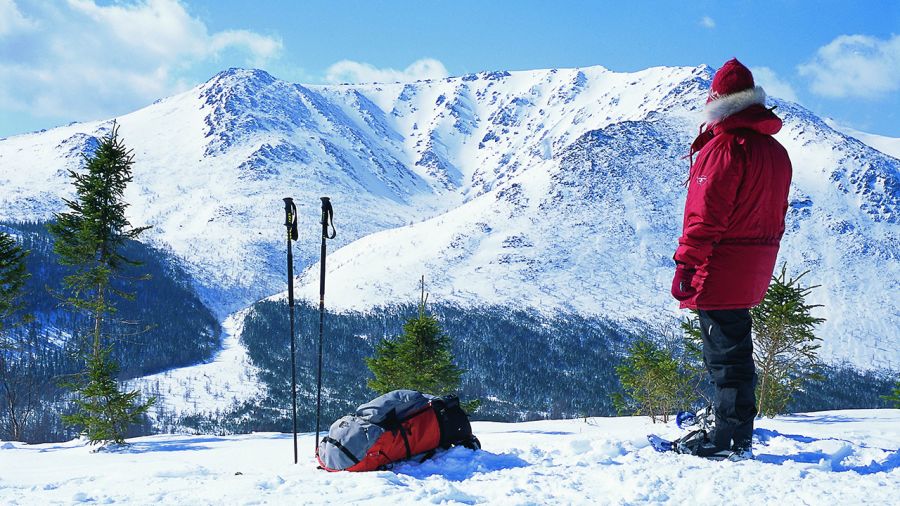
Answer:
(290, 217)
(328, 219)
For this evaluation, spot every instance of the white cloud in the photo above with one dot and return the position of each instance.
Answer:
(708, 22)
(262, 48)
(774, 85)
(80, 60)
(11, 18)
(855, 66)
(347, 71)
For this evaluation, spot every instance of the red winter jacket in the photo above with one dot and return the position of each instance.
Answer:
(735, 208)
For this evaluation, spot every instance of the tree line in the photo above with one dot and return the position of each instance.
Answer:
(519, 365)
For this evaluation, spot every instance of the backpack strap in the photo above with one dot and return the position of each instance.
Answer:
(337, 444)
(406, 442)
(452, 420)
(393, 424)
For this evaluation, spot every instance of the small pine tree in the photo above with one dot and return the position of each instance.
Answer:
(893, 399)
(12, 284)
(420, 359)
(90, 237)
(693, 362)
(653, 382)
(785, 345)
(104, 411)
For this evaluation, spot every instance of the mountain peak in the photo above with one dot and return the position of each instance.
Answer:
(706, 70)
(256, 77)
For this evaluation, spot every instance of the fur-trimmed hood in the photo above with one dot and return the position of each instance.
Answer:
(724, 106)
(754, 116)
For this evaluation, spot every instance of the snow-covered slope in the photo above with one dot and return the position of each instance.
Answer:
(556, 189)
(212, 164)
(838, 457)
(589, 225)
(589, 231)
(223, 383)
(887, 145)
(211, 168)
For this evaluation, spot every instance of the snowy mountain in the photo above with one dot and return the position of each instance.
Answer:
(555, 189)
(837, 457)
(212, 166)
(887, 145)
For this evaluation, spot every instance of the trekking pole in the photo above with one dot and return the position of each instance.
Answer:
(327, 218)
(290, 221)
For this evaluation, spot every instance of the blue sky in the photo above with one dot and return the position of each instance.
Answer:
(77, 60)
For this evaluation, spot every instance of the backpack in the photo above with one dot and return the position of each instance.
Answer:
(395, 426)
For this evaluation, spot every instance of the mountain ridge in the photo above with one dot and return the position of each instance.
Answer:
(559, 185)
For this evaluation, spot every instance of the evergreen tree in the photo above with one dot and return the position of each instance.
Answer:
(785, 345)
(14, 410)
(420, 359)
(653, 382)
(12, 283)
(894, 398)
(90, 237)
(105, 412)
(692, 359)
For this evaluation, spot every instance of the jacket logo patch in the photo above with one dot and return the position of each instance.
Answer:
(701, 179)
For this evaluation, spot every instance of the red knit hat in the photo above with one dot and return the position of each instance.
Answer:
(732, 78)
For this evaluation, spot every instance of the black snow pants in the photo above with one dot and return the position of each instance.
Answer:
(728, 355)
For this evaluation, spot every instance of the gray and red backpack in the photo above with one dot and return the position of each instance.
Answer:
(397, 426)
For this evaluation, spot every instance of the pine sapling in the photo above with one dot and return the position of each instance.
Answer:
(419, 359)
(91, 237)
(654, 385)
(785, 345)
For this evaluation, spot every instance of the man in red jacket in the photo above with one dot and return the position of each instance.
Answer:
(733, 223)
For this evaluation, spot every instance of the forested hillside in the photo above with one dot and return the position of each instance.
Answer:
(520, 364)
(164, 325)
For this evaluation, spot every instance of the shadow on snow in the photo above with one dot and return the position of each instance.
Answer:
(832, 459)
(816, 419)
(543, 432)
(458, 464)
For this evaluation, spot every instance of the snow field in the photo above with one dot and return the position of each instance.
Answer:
(228, 379)
(837, 457)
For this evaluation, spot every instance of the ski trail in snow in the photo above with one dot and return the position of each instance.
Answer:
(229, 378)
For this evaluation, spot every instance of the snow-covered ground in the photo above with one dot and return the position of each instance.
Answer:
(836, 457)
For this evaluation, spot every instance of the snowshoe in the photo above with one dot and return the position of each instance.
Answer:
(659, 444)
(695, 443)
(704, 419)
(685, 419)
(740, 454)
(706, 450)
